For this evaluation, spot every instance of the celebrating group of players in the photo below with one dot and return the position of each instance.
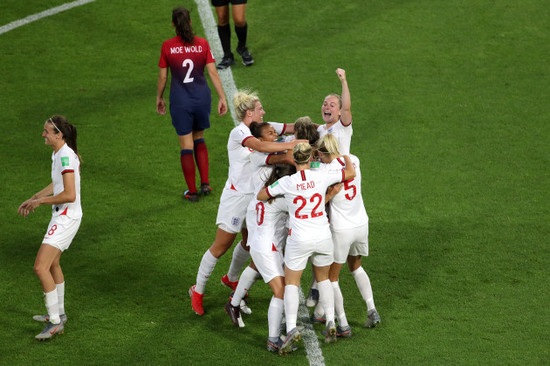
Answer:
(293, 191)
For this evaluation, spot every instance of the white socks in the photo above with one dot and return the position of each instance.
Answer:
(208, 262)
(275, 316)
(238, 261)
(326, 299)
(61, 297)
(51, 301)
(339, 305)
(291, 302)
(363, 284)
(248, 278)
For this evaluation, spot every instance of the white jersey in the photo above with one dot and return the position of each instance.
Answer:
(66, 161)
(240, 170)
(262, 170)
(342, 134)
(304, 194)
(346, 208)
(269, 218)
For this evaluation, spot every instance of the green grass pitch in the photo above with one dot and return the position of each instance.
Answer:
(451, 123)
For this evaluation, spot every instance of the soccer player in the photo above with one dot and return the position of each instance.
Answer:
(309, 234)
(64, 196)
(190, 99)
(336, 112)
(238, 9)
(236, 195)
(266, 249)
(349, 224)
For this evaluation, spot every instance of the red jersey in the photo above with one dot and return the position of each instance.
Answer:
(187, 62)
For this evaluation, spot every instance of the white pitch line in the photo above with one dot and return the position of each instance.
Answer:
(311, 342)
(31, 18)
(211, 30)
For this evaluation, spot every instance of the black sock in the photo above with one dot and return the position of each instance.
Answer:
(241, 35)
(224, 32)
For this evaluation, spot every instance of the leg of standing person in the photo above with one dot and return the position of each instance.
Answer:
(326, 299)
(47, 254)
(221, 244)
(363, 284)
(238, 261)
(188, 166)
(224, 32)
(201, 158)
(241, 30)
(343, 329)
(291, 303)
(275, 313)
(59, 279)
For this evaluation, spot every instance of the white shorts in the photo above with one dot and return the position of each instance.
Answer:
(270, 263)
(351, 242)
(61, 231)
(232, 210)
(298, 253)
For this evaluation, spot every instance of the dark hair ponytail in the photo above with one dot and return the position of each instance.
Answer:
(182, 22)
(61, 124)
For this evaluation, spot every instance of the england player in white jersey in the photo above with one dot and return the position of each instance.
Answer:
(309, 234)
(64, 196)
(236, 195)
(336, 112)
(261, 167)
(349, 224)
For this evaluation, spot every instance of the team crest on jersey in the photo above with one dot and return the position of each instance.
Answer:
(274, 184)
(235, 221)
(64, 161)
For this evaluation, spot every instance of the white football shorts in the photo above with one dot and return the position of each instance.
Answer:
(297, 253)
(61, 231)
(270, 263)
(232, 210)
(351, 242)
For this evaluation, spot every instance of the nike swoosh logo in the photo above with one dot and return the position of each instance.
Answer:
(55, 330)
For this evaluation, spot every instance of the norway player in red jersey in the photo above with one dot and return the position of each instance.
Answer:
(190, 99)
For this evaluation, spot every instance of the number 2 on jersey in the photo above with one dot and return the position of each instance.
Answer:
(188, 63)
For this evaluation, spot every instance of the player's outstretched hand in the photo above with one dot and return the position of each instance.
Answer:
(27, 207)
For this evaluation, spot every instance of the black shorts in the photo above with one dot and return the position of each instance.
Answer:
(226, 2)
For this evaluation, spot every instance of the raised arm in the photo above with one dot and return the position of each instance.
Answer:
(216, 81)
(345, 113)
